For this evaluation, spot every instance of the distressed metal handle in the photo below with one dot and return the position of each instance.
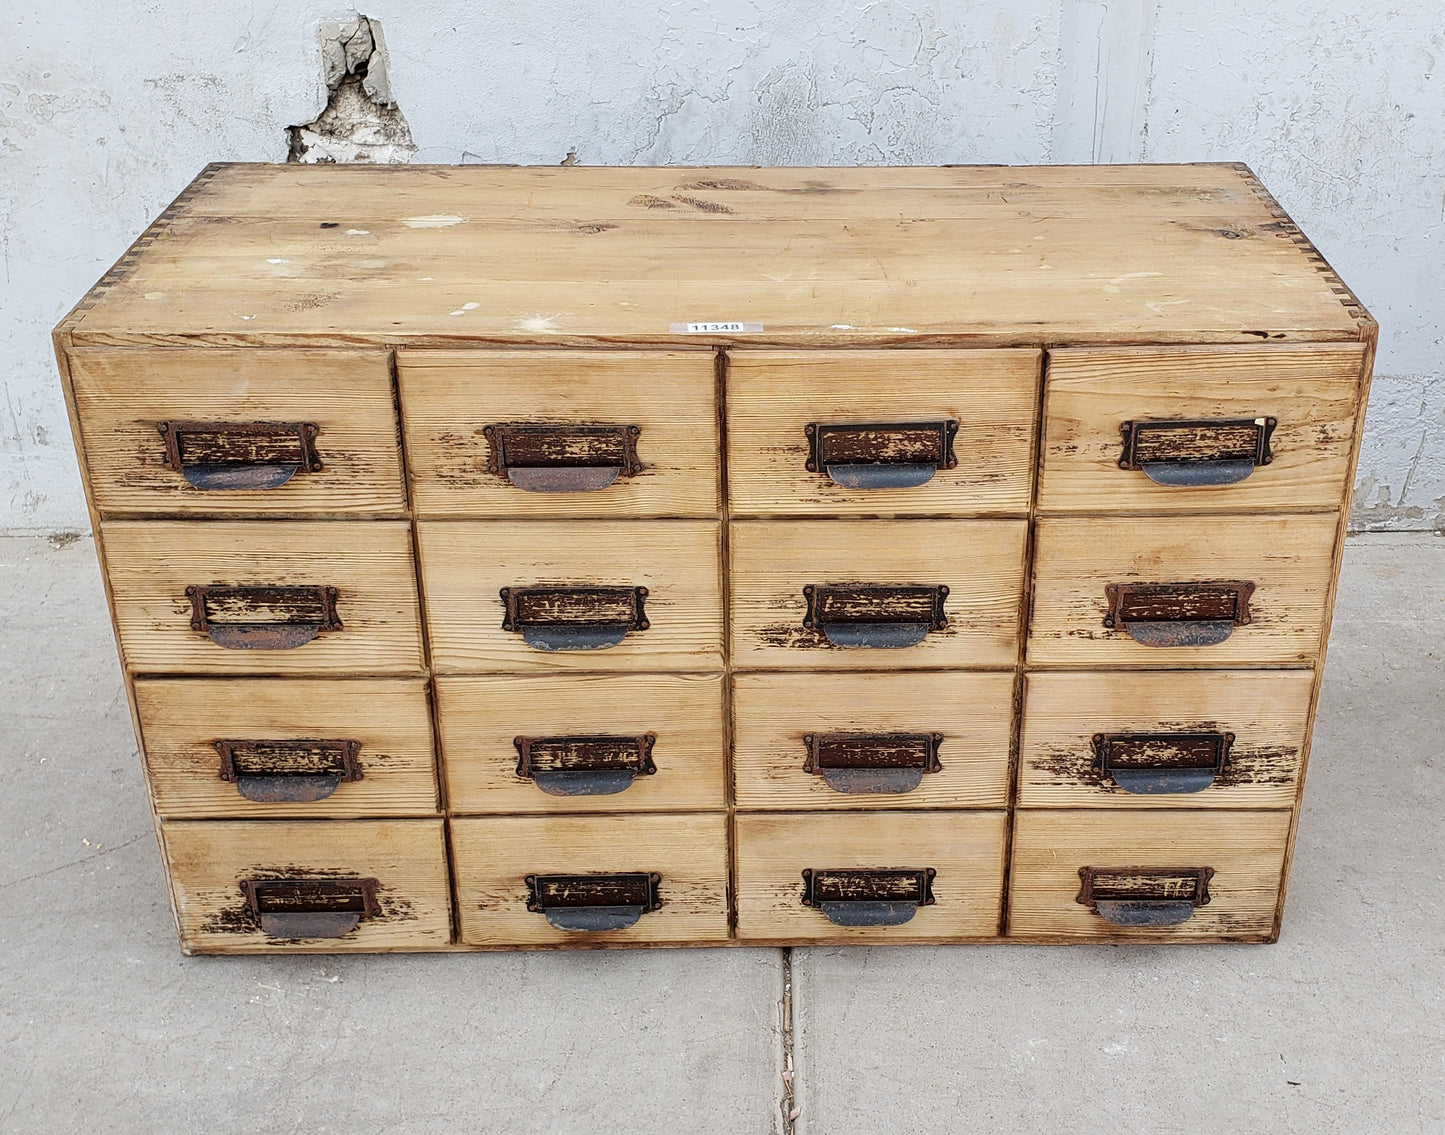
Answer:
(868, 896)
(593, 902)
(869, 615)
(574, 618)
(565, 458)
(1162, 763)
(881, 455)
(867, 763)
(1197, 452)
(310, 908)
(287, 772)
(240, 455)
(584, 766)
(262, 618)
(1179, 614)
(1144, 896)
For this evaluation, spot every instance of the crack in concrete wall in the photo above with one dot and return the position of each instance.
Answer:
(361, 121)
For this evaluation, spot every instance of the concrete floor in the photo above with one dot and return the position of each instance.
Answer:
(104, 1026)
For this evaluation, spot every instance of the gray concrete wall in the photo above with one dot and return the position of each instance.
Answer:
(107, 110)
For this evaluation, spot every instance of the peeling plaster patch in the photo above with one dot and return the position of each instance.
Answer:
(361, 121)
(358, 232)
(432, 221)
(537, 323)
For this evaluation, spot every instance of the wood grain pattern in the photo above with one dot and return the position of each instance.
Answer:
(209, 858)
(370, 562)
(965, 848)
(480, 717)
(121, 395)
(465, 565)
(181, 718)
(494, 856)
(1312, 391)
(1246, 850)
(980, 561)
(1266, 711)
(1288, 558)
(448, 398)
(773, 395)
(772, 713)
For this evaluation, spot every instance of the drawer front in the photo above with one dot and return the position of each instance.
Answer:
(912, 740)
(579, 595)
(281, 747)
(813, 594)
(247, 887)
(864, 876)
(222, 431)
(942, 432)
(561, 433)
(1180, 591)
(582, 742)
(279, 597)
(1182, 429)
(1144, 872)
(1134, 739)
(591, 880)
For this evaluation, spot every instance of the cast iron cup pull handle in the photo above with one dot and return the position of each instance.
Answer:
(584, 766)
(870, 763)
(1197, 452)
(594, 902)
(868, 896)
(290, 771)
(1179, 614)
(881, 455)
(1144, 896)
(574, 618)
(310, 908)
(240, 455)
(1153, 764)
(564, 458)
(868, 615)
(262, 618)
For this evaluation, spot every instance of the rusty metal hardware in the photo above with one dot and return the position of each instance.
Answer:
(262, 618)
(594, 902)
(584, 766)
(861, 763)
(291, 771)
(563, 458)
(574, 618)
(881, 455)
(871, 615)
(1197, 452)
(868, 896)
(310, 908)
(1179, 614)
(240, 455)
(1144, 896)
(1160, 763)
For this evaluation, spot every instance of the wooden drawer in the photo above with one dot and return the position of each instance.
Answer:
(570, 586)
(267, 590)
(281, 747)
(385, 879)
(967, 449)
(236, 422)
(629, 862)
(964, 850)
(1146, 860)
(582, 742)
(1198, 414)
(910, 740)
(836, 573)
(1135, 739)
(1174, 590)
(475, 447)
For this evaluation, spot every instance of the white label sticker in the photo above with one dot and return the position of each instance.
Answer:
(706, 328)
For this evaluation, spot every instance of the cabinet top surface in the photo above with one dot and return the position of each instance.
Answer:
(587, 256)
